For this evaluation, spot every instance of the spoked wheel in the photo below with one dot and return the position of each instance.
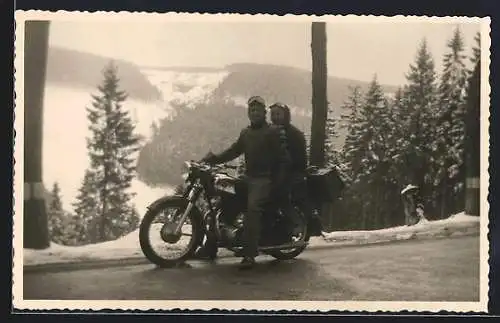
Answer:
(290, 253)
(160, 242)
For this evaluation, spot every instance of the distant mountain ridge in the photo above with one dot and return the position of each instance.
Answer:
(286, 84)
(186, 69)
(72, 68)
(290, 85)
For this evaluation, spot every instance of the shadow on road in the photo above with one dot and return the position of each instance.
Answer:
(224, 267)
(280, 280)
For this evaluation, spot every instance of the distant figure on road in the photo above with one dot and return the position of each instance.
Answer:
(412, 208)
(420, 213)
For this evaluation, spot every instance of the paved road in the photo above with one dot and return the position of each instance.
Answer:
(432, 270)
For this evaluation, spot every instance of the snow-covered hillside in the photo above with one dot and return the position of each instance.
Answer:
(184, 88)
(66, 127)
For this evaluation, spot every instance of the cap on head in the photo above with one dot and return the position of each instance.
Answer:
(256, 100)
(284, 107)
(279, 105)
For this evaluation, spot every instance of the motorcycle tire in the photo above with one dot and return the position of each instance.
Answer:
(194, 217)
(280, 255)
(288, 255)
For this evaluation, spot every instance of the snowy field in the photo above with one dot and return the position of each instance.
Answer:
(128, 246)
(66, 128)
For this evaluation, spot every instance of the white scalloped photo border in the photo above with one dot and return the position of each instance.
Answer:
(358, 306)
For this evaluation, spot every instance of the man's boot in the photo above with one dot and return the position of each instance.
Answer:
(207, 252)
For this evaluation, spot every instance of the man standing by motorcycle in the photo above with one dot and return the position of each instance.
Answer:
(295, 143)
(265, 163)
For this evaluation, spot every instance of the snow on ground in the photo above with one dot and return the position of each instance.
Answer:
(455, 223)
(124, 247)
(128, 246)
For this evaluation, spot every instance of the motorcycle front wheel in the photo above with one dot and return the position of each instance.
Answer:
(173, 248)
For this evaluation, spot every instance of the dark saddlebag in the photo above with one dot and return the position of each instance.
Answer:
(324, 185)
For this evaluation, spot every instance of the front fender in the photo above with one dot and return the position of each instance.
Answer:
(167, 199)
(178, 201)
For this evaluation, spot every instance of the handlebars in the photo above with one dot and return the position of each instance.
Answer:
(206, 166)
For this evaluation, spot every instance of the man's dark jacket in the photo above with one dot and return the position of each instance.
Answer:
(264, 155)
(297, 149)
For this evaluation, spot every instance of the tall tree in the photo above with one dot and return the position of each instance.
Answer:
(368, 154)
(319, 93)
(472, 131)
(56, 215)
(472, 142)
(450, 127)
(332, 123)
(112, 149)
(476, 51)
(416, 108)
(353, 123)
(86, 209)
(317, 153)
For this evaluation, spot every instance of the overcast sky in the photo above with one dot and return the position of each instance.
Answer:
(354, 50)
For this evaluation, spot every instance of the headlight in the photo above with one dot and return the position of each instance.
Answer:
(185, 176)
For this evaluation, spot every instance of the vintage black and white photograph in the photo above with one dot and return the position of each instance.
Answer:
(250, 162)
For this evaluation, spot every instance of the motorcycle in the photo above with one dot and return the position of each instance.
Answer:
(212, 204)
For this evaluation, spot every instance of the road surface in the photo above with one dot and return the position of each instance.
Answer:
(432, 270)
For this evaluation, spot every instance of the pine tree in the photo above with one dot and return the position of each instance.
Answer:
(472, 144)
(56, 215)
(400, 134)
(86, 224)
(450, 127)
(104, 200)
(331, 135)
(352, 122)
(476, 51)
(367, 153)
(416, 107)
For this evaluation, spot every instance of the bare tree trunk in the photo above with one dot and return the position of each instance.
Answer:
(319, 103)
(319, 94)
(36, 231)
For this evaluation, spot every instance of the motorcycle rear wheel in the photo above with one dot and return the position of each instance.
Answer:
(288, 254)
(194, 218)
